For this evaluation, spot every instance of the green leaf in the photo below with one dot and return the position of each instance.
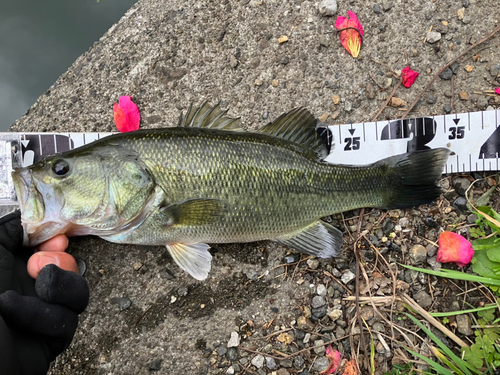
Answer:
(487, 315)
(483, 265)
(490, 212)
(470, 358)
(484, 199)
(494, 253)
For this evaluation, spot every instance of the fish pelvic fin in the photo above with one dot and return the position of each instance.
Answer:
(192, 258)
(196, 211)
(412, 177)
(209, 118)
(319, 239)
(301, 127)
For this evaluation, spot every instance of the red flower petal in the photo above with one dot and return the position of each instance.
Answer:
(334, 357)
(126, 114)
(351, 32)
(409, 76)
(453, 248)
(497, 90)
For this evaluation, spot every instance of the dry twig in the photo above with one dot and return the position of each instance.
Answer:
(388, 100)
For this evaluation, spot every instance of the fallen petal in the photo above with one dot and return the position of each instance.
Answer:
(454, 248)
(334, 357)
(409, 76)
(497, 90)
(126, 114)
(351, 368)
(351, 32)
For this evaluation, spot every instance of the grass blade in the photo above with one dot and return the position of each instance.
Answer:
(463, 365)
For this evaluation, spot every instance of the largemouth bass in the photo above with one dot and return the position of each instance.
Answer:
(208, 181)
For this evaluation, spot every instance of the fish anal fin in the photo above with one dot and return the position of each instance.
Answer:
(192, 258)
(298, 126)
(196, 211)
(209, 117)
(319, 239)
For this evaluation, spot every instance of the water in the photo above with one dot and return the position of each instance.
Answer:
(39, 42)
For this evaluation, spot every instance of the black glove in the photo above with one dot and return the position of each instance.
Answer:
(37, 319)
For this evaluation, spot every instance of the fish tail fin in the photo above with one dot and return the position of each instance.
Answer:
(413, 177)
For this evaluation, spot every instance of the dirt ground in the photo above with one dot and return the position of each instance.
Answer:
(145, 315)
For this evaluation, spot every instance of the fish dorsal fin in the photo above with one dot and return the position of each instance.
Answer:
(192, 258)
(319, 239)
(298, 126)
(209, 118)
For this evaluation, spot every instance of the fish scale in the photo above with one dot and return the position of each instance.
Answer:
(207, 181)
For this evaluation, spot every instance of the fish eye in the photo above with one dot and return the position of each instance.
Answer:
(60, 167)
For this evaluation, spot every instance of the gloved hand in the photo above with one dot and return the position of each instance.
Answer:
(37, 319)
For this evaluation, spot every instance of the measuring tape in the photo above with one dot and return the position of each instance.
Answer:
(473, 138)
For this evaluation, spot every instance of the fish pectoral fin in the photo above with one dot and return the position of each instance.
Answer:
(192, 258)
(319, 239)
(193, 212)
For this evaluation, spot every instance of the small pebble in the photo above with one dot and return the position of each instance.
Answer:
(447, 108)
(377, 9)
(495, 70)
(313, 263)
(464, 325)
(270, 363)
(155, 365)
(321, 364)
(320, 350)
(327, 7)
(334, 314)
(123, 302)
(371, 92)
(461, 184)
(418, 254)
(463, 95)
(232, 354)
(258, 361)
(423, 299)
(221, 350)
(321, 290)
(298, 362)
(431, 100)
(446, 74)
(347, 276)
(482, 102)
(234, 341)
(137, 266)
(307, 337)
(461, 204)
(433, 37)
(435, 265)
(283, 39)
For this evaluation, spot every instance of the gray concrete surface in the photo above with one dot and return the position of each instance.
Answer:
(167, 54)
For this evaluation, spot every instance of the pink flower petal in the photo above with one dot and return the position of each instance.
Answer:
(334, 357)
(126, 114)
(409, 76)
(351, 32)
(497, 90)
(453, 248)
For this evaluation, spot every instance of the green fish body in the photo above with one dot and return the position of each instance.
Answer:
(207, 181)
